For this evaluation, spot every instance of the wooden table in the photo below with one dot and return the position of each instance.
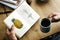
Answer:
(35, 33)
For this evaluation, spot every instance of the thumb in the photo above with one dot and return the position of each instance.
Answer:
(12, 28)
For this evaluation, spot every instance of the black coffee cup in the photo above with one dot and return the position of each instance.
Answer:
(45, 25)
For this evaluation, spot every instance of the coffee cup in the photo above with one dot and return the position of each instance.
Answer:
(45, 25)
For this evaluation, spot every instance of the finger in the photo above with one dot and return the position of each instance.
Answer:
(7, 32)
(12, 28)
(52, 15)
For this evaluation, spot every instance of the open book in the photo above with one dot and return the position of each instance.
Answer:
(23, 18)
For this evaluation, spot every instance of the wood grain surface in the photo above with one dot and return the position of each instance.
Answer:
(43, 10)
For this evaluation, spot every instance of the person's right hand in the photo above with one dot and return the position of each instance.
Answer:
(55, 16)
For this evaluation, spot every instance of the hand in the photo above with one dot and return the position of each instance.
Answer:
(11, 33)
(55, 16)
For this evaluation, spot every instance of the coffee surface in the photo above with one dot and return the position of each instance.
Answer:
(45, 22)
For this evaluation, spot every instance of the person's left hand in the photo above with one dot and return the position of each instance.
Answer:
(11, 33)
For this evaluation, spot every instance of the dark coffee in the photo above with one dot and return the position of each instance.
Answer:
(45, 22)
